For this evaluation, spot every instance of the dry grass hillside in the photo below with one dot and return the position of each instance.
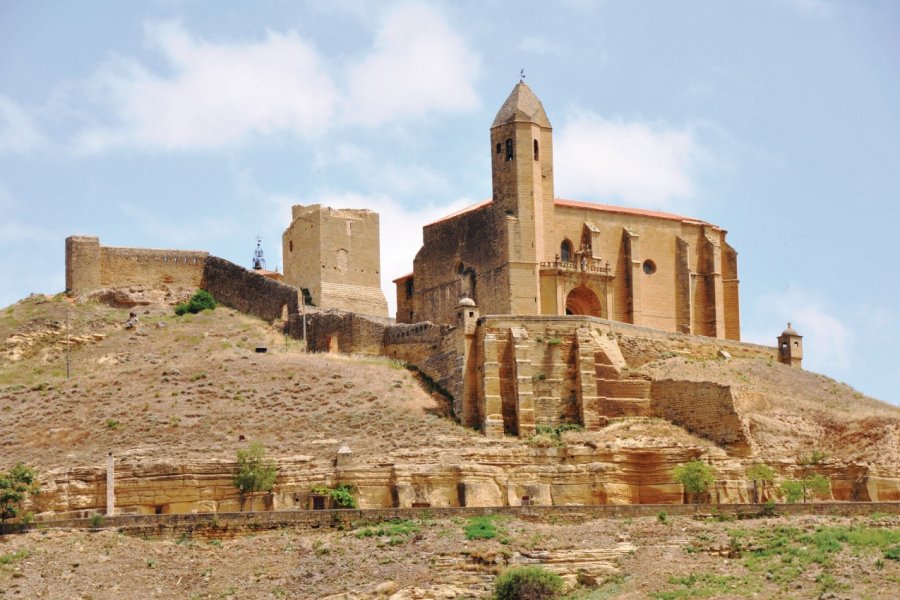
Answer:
(791, 411)
(193, 387)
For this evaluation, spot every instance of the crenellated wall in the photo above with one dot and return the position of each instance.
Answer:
(91, 266)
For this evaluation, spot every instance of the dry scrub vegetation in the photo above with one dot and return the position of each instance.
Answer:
(665, 558)
(191, 387)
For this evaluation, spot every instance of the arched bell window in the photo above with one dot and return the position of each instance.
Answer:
(565, 251)
(510, 154)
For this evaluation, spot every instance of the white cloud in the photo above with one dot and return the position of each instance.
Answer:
(18, 132)
(210, 94)
(827, 339)
(632, 162)
(214, 94)
(418, 65)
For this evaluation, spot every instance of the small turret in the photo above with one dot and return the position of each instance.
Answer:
(467, 314)
(790, 347)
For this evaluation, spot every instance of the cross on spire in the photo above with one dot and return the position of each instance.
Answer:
(522, 74)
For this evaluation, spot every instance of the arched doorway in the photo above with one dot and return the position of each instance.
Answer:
(582, 301)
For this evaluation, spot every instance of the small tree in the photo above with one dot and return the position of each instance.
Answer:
(527, 583)
(810, 484)
(760, 473)
(696, 477)
(15, 486)
(255, 473)
(805, 487)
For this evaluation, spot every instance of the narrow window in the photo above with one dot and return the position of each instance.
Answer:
(499, 148)
(509, 150)
(537, 152)
(290, 245)
(409, 288)
(565, 251)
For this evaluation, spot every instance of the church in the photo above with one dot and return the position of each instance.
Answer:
(527, 252)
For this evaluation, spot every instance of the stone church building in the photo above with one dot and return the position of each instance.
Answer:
(527, 252)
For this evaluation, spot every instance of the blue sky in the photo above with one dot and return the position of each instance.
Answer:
(197, 124)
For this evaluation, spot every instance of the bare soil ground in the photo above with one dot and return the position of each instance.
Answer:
(673, 557)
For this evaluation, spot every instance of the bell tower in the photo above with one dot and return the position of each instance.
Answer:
(522, 176)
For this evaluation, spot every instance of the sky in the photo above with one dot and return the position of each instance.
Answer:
(196, 125)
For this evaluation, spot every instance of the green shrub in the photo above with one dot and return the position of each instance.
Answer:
(527, 583)
(15, 486)
(892, 553)
(481, 528)
(341, 496)
(201, 300)
(96, 521)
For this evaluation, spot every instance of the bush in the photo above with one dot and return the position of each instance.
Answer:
(15, 486)
(527, 583)
(201, 300)
(341, 496)
(696, 477)
(481, 528)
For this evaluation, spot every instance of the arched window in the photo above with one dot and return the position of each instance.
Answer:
(509, 150)
(537, 152)
(499, 148)
(460, 268)
(565, 251)
(290, 245)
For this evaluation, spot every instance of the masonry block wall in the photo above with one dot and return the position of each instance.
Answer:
(335, 254)
(90, 266)
(248, 291)
(461, 256)
(703, 408)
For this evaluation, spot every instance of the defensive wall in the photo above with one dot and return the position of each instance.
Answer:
(248, 291)
(91, 266)
(219, 525)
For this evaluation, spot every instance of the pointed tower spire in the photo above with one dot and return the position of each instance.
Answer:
(522, 105)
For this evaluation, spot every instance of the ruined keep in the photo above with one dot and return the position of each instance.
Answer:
(526, 252)
(334, 256)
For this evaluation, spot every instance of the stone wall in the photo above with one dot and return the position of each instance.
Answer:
(248, 291)
(703, 408)
(90, 266)
(337, 331)
(224, 525)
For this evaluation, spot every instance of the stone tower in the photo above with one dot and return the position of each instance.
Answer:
(522, 173)
(333, 254)
(790, 347)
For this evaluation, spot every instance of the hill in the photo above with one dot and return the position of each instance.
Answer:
(175, 397)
